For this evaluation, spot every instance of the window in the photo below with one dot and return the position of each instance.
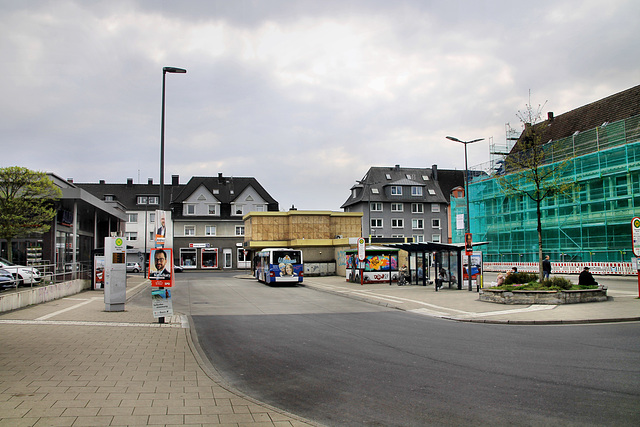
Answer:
(188, 257)
(142, 200)
(132, 217)
(418, 238)
(432, 192)
(435, 238)
(375, 207)
(435, 223)
(212, 209)
(132, 235)
(374, 191)
(109, 198)
(153, 200)
(397, 236)
(238, 209)
(239, 230)
(397, 207)
(417, 208)
(210, 230)
(189, 209)
(189, 230)
(376, 222)
(416, 191)
(435, 207)
(152, 236)
(396, 190)
(152, 218)
(417, 223)
(425, 177)
(387, 175)
(397, 223)
(408, 175)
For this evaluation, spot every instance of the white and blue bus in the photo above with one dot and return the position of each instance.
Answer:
(276, 265)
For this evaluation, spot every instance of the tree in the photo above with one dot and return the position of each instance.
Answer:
(531, 172)
(26, 203)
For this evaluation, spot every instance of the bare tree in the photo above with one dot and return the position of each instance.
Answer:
(530, 172)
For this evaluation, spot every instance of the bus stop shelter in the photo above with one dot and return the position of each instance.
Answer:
(447, 260)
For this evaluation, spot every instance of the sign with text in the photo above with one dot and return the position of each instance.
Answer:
(161, 267)
(635, 235)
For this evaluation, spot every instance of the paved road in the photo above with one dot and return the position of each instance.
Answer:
(343, 362)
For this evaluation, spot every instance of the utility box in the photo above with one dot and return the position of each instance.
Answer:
(115, 274)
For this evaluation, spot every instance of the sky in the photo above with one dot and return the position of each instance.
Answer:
(303, 95)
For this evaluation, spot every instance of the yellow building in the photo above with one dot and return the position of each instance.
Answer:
(323, 236)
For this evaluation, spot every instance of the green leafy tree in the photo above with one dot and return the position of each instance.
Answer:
(26, 203)
(530, 172)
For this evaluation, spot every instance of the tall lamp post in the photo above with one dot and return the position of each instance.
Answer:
(466, 194)
(165, 70)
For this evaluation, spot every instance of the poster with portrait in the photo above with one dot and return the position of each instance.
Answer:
(161, 267)
(161, 228)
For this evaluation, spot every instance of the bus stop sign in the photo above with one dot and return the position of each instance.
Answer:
(361, 249)
(635, 234)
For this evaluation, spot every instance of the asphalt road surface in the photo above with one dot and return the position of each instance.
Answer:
(343, 362)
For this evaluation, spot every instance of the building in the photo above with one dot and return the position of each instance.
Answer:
(209, 229)
(203, 218)
(401, 202)
(598, 146)
(323, 236)
(80, 226)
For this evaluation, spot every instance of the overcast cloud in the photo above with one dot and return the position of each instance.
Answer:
(304, 96)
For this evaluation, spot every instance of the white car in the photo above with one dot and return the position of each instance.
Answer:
(23, 275)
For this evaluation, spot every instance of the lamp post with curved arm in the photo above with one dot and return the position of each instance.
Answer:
(466, 194)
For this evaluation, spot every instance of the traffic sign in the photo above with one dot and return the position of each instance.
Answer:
(635, 235)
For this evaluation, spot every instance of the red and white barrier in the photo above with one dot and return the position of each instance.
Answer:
(609, 268)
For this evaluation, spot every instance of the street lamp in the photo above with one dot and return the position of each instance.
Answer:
(466, 194)
(165, 70)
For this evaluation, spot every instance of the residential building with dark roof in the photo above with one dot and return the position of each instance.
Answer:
(598, 146)
(402, 202)
(203, 218)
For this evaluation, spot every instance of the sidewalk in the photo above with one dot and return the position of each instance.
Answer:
(70, 363)
(463, 305)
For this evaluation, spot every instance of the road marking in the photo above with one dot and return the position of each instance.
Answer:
(73, 307)
(82, 323)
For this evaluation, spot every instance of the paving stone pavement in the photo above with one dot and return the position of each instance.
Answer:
(70, 363)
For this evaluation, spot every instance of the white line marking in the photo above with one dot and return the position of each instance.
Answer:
(73, 307)
(81, 323)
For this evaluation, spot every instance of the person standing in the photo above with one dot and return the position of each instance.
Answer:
(546, 268)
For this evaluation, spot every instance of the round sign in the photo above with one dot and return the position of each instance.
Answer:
(635, 235)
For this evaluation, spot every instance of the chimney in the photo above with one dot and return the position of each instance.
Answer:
(70, 180)
(129, 182)
(397, 167)
(550, 116)
(102, 181)
(150, 181)
(175, 180)
(220, 178)
(434, 172)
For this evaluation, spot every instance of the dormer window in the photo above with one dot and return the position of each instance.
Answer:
(109, 198)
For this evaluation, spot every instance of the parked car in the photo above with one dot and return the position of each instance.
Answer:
(23, 275)
(133, 267)
(6, 280)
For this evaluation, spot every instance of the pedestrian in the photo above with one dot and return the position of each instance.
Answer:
(546, 268)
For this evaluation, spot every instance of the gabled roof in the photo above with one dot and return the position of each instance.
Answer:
(380, 177)
(225, 189)
(127, 194)
(619, 106)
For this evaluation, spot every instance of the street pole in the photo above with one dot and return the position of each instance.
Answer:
(466, 194)
(165, 70)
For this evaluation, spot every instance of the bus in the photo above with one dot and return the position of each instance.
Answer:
(276, 265)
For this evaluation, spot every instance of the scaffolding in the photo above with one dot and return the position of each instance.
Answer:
(592, 224)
